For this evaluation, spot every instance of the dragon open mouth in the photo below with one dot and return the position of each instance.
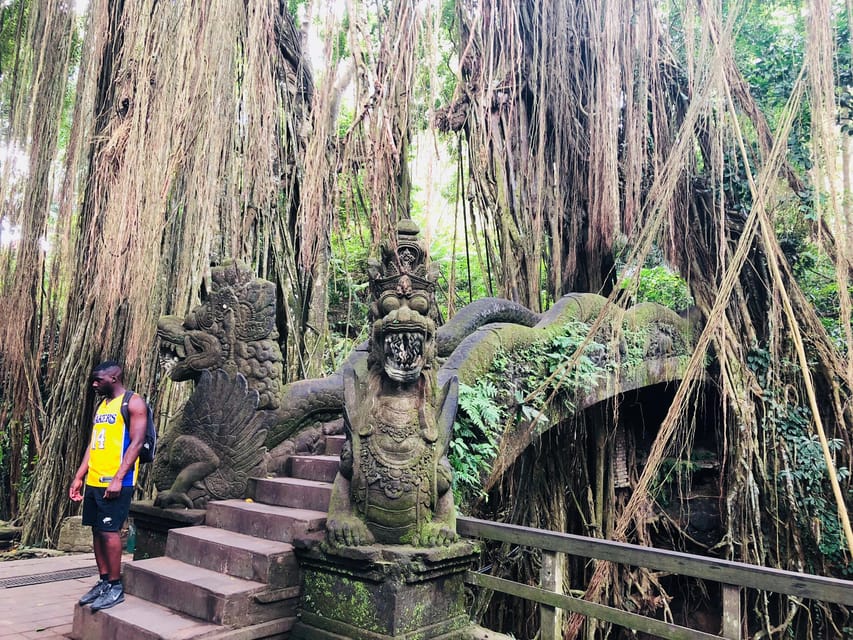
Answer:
(170, 355)
(404, 355)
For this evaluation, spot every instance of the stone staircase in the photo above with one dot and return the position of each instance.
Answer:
(235, 577)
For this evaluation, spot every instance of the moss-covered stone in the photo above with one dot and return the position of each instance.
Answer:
(642, 346)
(384, 591)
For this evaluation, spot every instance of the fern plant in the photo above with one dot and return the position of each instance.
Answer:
(522, 390)
(475, 438)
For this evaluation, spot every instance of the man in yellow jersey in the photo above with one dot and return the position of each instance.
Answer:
(110, 467)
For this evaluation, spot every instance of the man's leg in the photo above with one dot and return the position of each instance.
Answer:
(90, 518)
(100, 552)
(111, 545)
(113, 513)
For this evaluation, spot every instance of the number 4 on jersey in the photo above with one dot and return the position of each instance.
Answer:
(99, 438)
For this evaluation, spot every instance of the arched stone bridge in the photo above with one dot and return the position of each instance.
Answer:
(643, 346)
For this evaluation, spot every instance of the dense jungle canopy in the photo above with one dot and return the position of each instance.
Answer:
(690, 152)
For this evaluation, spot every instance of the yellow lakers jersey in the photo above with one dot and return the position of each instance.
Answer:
(110, 439)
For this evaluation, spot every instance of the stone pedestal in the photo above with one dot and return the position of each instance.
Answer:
(74, 537)
(153, 525)
(384, 591)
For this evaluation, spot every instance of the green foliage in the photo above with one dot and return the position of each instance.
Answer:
(348, 296)
(348, 292)
(659, 284)
(582, 375)
(551, 376)
(9, 28)
(815, 273)
(443, 76)
(524, 390)
(770, 50)
(809, 476)
(14, 482)
(815, 512)
(470, 280)
(475, 438)
(4, 473)
(345, 119)
(673, 478)
(71, 89)
(293, 7)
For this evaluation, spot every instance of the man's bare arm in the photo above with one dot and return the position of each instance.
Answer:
(74, 491)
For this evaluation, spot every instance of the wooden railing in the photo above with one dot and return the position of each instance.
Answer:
(732, 575)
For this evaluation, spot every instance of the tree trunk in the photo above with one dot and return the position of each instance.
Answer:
(183, 170)
(22, 307)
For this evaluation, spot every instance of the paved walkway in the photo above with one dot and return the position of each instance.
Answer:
(42, 610)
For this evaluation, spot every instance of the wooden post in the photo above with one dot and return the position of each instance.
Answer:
(551, 578)
(731, 612)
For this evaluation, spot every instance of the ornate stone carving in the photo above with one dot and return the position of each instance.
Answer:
(394, 481)
(228, 345)
(232, 329)
(216, 445)
(400, 405)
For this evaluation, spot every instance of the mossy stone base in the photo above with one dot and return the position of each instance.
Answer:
(384, 591)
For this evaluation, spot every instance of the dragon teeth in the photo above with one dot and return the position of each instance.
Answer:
(405, 347)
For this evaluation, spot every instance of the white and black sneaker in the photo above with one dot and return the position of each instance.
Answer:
(112, 595)
(94, 593)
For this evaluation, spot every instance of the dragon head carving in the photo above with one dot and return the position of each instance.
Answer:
(232, 329)
(404, 313)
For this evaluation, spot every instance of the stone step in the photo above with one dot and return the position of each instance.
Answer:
(319, 468)
(293, 492)
(264, 520)
(235, 554)
(334, 445)
(208, 595)
(143, 620)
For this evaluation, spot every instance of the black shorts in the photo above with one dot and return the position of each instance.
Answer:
(102, 514)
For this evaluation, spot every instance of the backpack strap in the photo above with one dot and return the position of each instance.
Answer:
(125, 412)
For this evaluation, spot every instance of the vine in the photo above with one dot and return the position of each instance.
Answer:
(805, 468)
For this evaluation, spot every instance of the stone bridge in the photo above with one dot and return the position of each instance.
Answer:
(643, 346)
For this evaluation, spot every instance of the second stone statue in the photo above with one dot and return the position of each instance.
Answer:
(394, 484)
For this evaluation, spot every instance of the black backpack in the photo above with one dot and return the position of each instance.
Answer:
(149, 445)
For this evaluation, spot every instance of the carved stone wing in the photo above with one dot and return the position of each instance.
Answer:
(223, 412)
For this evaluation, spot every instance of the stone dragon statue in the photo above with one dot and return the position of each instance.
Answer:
(228, 344)
(394, 482)
(232, 329)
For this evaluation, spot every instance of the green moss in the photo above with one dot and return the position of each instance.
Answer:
(341, 598)
(642, 315)
(361, 607)
(506, 338)
(417, 614)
